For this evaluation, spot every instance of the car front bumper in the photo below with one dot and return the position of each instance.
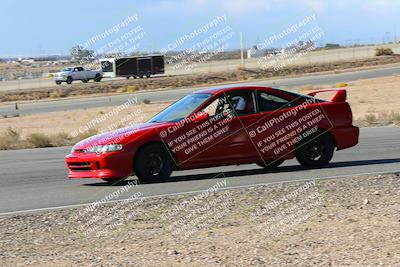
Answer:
(99, 166)
(60, 79)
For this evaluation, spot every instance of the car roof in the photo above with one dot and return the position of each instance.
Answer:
(230, 88)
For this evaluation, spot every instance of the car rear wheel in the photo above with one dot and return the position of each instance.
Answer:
(315, 150)
(69, 80)
(270, 164)
(58, 82)
(153, 164)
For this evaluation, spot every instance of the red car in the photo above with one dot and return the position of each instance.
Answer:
(222, 126)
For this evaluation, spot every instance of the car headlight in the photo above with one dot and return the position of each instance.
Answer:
(104, 148)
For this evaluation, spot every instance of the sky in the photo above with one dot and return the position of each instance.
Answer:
(44, 27)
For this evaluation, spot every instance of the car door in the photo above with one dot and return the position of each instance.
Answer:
(83, 74)
(270, 130)
(225, 137)
(76, 74)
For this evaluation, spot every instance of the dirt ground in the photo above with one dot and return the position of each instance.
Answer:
(337, 222)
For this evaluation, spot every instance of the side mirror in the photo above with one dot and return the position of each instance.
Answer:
(200, 117)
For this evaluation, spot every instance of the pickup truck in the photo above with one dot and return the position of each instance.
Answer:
(71, 74)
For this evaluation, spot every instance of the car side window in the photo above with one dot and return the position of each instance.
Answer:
(271, 102)
(243, 102)
(238, 103)
(218, 106)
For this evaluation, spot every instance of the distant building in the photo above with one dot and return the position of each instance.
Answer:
(254, 52)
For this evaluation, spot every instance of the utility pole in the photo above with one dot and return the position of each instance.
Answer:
(241, 50)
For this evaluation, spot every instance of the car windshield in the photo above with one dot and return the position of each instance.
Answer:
(68, 69)
(181, 108)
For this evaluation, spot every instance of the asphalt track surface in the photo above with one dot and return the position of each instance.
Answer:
(171, 95)
(35, 180)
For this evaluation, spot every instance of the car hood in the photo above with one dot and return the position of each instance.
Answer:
(119, 136)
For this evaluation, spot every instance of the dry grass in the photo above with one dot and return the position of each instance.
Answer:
(381, 118)
(9, 139)
(39, 140)
(39, 131)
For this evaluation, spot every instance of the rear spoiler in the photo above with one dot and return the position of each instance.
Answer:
(340, 96)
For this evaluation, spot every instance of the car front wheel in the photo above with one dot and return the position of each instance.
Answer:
(315, 150)
(153, 164)
(97, 78)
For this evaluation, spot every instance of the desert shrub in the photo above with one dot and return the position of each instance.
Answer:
(146, 101)
(61, 139)
(9, 139)
(371, 118)
(131, 89)
(394, 117)
(383, 51)
(39, 140)
(341, 85)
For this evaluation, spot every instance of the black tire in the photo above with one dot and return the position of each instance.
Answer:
(128, 78)
(58, 82)
(153, 163)
(97, 78)
(271, 164)
(69, 80)
(315, 150)
(114, 181)
(148, 74)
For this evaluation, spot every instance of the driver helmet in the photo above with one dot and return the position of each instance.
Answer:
(239, 103)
